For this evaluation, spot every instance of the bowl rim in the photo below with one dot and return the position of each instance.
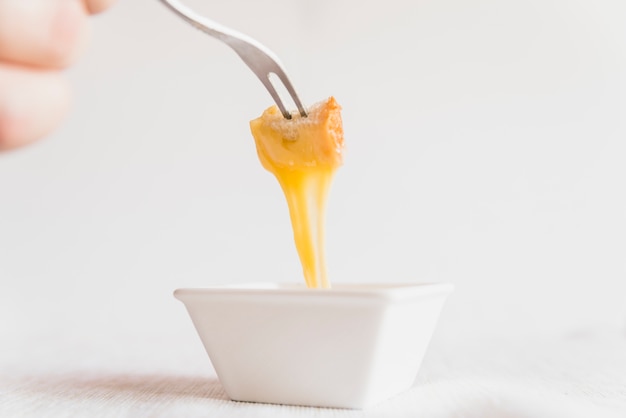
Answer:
(386, 291)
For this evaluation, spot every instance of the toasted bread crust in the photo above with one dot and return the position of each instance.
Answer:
(300, 142)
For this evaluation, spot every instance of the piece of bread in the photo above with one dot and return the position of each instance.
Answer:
(300, 142)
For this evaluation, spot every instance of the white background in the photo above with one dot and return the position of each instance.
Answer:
(485, 147)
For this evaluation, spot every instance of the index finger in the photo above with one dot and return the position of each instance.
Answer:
(97, 6)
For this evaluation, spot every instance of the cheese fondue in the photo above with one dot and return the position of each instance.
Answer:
(303, 153)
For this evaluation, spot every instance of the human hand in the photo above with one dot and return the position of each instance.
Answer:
(38, 38)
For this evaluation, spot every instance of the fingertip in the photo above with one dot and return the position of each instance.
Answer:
(32, 105)
(42, 33)
(98, 6)
(70, 32)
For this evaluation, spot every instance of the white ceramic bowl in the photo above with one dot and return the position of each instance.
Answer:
(351, 346)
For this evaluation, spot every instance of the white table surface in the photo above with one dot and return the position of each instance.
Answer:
(138, 375)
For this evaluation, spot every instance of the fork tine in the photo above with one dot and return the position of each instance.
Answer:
(270, 87)
(292, 92)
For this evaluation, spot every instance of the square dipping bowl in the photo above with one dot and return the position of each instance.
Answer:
(351, 346)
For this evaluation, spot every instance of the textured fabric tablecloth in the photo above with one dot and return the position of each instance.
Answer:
(581, 375)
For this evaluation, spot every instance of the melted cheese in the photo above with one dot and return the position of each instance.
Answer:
(303, 153)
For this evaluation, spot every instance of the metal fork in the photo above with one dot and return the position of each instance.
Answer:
(260, 59)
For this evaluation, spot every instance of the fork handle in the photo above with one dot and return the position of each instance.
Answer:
(225, 34)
